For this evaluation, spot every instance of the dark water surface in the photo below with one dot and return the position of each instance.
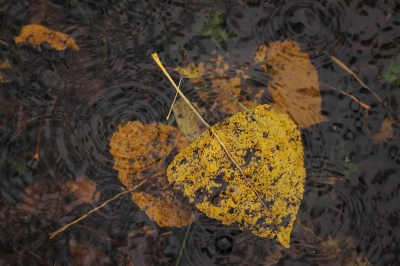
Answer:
(67, 104)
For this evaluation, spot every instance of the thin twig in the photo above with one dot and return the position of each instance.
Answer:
(337, 61)
(157, 59)
(366, 106)
(95, 209)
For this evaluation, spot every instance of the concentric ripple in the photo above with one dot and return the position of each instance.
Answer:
(317, 26)
(212, 243)
(146, 99)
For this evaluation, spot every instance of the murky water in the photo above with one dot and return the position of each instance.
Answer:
(59, 110)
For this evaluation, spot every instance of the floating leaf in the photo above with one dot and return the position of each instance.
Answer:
(139, 152)
(36, 34)
(294, 85)
(187, 69)
(271, 157)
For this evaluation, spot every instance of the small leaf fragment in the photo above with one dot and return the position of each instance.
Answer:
(187, 69)
(37, 34)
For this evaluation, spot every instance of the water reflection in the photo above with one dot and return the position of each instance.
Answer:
(65, 105)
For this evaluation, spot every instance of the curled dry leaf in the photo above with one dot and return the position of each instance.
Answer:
(139, 152)
(294, 84)
(36, 34)
(214, 75)
(270, 154)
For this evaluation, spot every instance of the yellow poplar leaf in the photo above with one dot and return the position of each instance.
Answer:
(36, 34)
(139, 151)
(270, 154)
(294, 85)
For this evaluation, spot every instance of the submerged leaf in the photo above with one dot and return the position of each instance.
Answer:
(139, 152)
(187, 121)
(270, 153)
(294, 85)
(216, 76)
(37, 34)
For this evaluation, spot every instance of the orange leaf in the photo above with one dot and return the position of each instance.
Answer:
(36, 34)
(139, 152)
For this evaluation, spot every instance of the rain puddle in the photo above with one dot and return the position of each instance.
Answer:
(296, 162)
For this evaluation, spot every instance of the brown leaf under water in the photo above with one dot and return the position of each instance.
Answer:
(143, 248)
(37, 34)
(139, 152)
(187, 121)
(385, 133)
(83, 189)
(214, 75)
(294, 85)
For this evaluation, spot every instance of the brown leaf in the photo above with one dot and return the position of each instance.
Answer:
(36, 34)
(385, 133)
(294, 85)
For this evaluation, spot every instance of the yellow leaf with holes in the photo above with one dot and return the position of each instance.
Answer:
(269, 153)
(294, 85)
(140, 151)
(37, 34)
